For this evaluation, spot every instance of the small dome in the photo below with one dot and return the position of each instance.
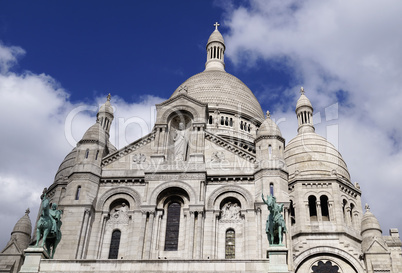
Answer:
(216, 36)
(268, 128)
(106, 108)
(66, 166)
(95, 133)
(23, 225)
(370, 223)
(311, 155)
(303, 101)
(223, 91)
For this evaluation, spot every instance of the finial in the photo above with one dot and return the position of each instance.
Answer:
(268, 114)
(367, 207)
(27, 211)
(109, 97)
(216, 25)
(302, 90)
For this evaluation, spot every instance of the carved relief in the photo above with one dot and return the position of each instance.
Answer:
(217, 157)
(139, 158)
(119, 215)
(230, 211)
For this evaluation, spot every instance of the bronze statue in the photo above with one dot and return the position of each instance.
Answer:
(275, 223)
(48, 226)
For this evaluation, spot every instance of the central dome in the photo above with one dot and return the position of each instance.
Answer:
(223, 91)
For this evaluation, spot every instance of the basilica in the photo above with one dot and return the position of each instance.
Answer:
(195, 194)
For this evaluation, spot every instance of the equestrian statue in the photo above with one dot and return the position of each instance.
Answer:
(275, 226)
(48, 226)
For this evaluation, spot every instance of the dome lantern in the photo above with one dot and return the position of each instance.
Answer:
(304, 112)
(215, 51)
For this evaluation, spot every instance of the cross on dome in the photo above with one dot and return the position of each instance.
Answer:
(109, 97)
(302, 90)
(216, 25)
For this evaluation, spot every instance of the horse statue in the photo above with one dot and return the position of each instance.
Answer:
(48, 226)
(275, 226)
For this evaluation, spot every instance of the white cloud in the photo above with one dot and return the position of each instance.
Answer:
(330, 46)
(35, 137)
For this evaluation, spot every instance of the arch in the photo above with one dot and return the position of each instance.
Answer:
(331, 251)
(172, 184)
(245, 197)
(114, 244)
(312, 205)
(172, 226)
(324, 203)
(135, 196)
(230, 244)
(77, 193)
(180, 108)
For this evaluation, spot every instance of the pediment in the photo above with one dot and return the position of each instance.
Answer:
(376, 247)
(11, 248)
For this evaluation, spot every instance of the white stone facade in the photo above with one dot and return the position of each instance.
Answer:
(154, 207)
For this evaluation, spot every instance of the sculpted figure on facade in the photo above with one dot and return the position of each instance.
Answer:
(180, 143)
(275, 226)
(230, 211)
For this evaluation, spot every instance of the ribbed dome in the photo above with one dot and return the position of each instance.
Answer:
(221, 90)
(106, 107)
(95, 133)
(67, 165)
(23, 225)
(216, 36)
(370, 223)
(269, 128)
(311, 155)
(303, 101)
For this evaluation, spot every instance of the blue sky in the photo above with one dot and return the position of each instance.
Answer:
(58, 56)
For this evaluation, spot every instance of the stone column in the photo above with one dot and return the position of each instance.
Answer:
(104, 218)
(347, 216)
(319, 212)
(259, 233)
(149, 233)
(190, 235)
(83, 233)
(200, 220)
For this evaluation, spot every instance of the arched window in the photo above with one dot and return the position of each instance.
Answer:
(77, 193)
(292, 213)
(351, 212)
(96, 156)
(312, 200)
(230, 244)
(324, 207)
(271, 189)
(227, 121)
(344, 209)
(87, 153)
(249, 128)
(114, 244)
(231, 122)
(269, 150)
(210, 120)
(322, 267)
(241, 125)
(172, 226)
(222, 121)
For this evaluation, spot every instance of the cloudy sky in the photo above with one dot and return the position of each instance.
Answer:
(59, 60)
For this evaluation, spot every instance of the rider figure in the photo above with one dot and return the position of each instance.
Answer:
(55, 216)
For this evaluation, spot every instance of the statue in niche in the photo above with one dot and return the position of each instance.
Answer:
(230, 211)
(180, 143)
(275, 226)
(120, 214)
